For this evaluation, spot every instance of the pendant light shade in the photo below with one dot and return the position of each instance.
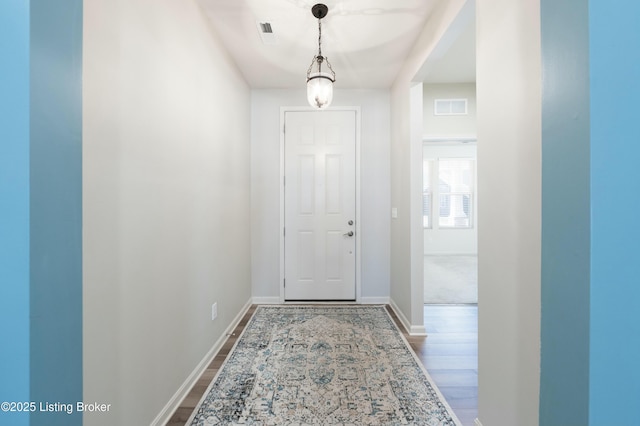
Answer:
(320, 90)
(320, 75)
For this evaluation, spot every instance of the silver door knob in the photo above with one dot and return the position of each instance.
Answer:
(348, 234)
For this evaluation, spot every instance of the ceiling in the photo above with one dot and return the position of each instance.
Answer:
(366, 41)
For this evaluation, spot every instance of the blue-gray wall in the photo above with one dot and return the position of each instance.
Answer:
(590, 340)
(14, 207)
(564, 370)
(56, 206)
(614, 59)
(41, 185)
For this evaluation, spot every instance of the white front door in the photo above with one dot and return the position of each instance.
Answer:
(320, 205)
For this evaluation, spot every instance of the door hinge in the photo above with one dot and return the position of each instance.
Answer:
(284, 282)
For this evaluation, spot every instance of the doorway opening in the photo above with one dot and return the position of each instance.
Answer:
(450, 221)
(450, 266)
(447, 158)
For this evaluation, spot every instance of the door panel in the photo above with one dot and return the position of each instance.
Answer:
(320, 205)
(306, 184)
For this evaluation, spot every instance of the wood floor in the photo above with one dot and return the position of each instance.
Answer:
(450, 354)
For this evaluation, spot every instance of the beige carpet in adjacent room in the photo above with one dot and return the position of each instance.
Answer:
(450, 279)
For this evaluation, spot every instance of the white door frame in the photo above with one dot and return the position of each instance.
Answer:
(356, 109)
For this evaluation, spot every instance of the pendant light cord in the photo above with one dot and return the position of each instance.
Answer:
(318, 60)
(319, 37)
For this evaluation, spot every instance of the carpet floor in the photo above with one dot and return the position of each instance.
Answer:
(450, 279)
(321, 365)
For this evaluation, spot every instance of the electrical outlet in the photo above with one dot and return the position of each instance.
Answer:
(214, 311)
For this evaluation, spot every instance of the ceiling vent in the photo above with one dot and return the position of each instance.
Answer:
(265, 29)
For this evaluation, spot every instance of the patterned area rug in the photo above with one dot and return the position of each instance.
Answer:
(318, 365)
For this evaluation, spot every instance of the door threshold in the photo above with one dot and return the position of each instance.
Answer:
(316, 302)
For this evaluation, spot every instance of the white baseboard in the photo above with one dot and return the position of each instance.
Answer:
(400, 315)
(163, 417)
(477, 422)
(418, 330)
(374, 300)
(363, 301)
(266, 300)
(450, 254)
(413, 330)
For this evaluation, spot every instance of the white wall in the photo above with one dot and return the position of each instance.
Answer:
(265, 188)
(449, 125)
(166, 201)
(452, 241)
(509, 186)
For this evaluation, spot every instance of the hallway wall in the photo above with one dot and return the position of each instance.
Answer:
(509, 186)
(436, 126)
(166, 201)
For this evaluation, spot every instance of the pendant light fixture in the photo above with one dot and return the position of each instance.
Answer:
(320, 77)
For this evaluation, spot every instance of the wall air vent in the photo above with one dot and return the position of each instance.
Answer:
(450, 107)
(265, 29)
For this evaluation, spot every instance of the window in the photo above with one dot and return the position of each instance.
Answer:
(454, 192)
